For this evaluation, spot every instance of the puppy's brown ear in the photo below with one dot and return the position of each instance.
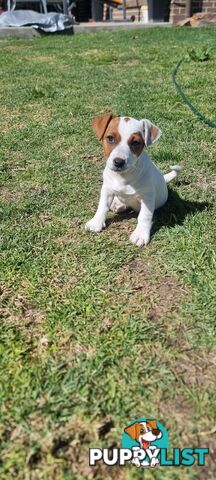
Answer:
(152, 424)
(100, 124)
(151, 132)
(132, 430)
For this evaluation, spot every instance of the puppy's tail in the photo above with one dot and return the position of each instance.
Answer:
(176, 169)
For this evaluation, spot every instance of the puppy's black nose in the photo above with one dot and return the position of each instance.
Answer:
(118, 162)
(156, 432)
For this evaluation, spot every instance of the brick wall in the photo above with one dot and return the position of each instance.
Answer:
(132, 12)
(178, 9)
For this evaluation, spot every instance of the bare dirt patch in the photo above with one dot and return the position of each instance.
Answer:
(201, 182)
(17, 312)
(196, 372)
(95, 159)
(205, 184)
(161, 293)
(182, 423)
(132, 61)
(72, 350)
(55, 446)
(72, 444)
(197, 368)
(180, 420)
(9, 194)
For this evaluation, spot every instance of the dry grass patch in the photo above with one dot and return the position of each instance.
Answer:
(17, 312)
(73, 351)
(197, 368)
(146, 285)
(39, 114)
(14, 48)
(70, 234)
(41, 59)
(92, 53)
(95, 159)
(46, 448)
(206, 184)
(9, 194)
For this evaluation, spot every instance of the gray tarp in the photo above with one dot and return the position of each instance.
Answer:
(47, 22)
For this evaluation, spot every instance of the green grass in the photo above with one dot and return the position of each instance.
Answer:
(94, 329)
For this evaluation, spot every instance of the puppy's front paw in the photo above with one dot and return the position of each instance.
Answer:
(140, 237)
(136, 462)
(154, 462)
(95, 225)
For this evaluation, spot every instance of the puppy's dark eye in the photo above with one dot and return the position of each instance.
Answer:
(135, 143)
(141, 431)
(110, 139)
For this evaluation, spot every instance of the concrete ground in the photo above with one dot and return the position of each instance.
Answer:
(107, 26)
(29, 32)
(18, 32)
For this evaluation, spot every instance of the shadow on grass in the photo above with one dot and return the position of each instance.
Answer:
(172, 213)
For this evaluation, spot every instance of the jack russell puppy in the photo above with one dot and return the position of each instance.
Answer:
(130, 178)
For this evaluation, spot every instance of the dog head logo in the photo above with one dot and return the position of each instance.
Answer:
(144, 432)
(146, 436)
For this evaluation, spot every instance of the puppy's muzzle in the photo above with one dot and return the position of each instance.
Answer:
(119, 162)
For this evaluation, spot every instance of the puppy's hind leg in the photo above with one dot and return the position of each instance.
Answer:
(117, 206)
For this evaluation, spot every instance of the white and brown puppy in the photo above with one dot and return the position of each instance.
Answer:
(130, 178)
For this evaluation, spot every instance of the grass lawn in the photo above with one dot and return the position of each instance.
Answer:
(94, 329)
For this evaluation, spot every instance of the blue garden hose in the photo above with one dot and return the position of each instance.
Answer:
(200, 115)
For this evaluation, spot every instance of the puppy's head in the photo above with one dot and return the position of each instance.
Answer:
(144, 432)
(124, 139)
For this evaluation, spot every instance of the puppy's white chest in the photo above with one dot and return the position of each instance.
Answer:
(126, 190)
(130, 200)
(120, 186)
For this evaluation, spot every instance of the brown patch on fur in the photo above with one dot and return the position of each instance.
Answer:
(133, 430)
(136, 149)
(126, 119)
(136, 429)
(112, 130)
(100, 124)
